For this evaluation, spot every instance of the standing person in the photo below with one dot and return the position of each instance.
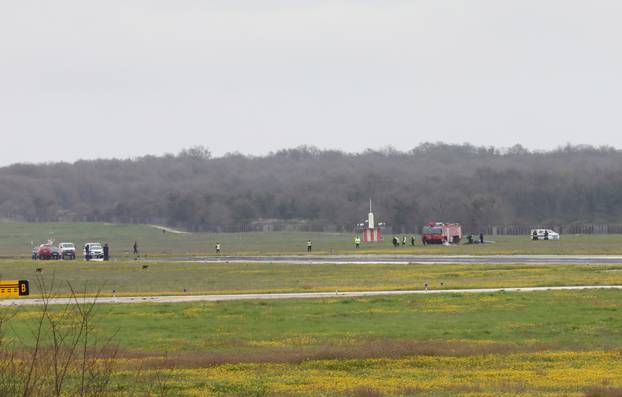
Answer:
(412, 240)
(357, 241)
(546, 234)
(481, 238)
(535, 235)
(403, 240)
(218, 248)
(87, 252)
(394, 241)
(309, 246)
(135, 248)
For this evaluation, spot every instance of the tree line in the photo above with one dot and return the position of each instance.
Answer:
(476, 186)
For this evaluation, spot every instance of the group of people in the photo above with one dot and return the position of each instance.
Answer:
(471, 239)
(403, 240)
(545, 235)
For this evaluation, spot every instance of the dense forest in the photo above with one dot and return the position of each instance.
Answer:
(477, 186)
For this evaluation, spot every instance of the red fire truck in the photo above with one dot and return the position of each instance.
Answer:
(440, 233)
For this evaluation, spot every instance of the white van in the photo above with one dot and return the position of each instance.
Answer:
(543, 234)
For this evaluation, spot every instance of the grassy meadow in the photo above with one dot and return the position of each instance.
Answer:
(17, 239)
(545, 343)
(554, 343)
(172, 278)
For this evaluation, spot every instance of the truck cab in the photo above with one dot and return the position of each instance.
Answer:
(67, 250)
(441, 233)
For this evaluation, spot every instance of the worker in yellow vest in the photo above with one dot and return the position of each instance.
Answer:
(357, 241)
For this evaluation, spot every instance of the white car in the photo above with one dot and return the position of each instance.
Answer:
(93, 251)
(544, 234)
(67, 250)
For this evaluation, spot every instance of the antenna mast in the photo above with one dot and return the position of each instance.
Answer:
(370, 217)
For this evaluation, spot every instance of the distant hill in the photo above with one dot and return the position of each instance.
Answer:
(477, 186)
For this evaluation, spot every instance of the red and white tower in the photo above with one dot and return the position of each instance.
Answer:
(371, 232)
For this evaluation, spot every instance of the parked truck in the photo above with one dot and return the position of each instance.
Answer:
(441, 233)
(67, 250)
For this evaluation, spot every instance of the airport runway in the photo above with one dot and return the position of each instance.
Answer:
(405, 259)
(295, 295)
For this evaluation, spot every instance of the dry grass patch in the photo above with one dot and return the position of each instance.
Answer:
(604, 392)
(377, 348)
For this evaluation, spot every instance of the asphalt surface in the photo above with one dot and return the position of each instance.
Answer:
(301, 295)
(406, 259)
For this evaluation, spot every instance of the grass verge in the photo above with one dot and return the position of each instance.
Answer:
(130, 278)
(545, 343)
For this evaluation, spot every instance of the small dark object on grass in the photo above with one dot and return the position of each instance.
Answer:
(145, 266)
(184, 290)
(39, 269)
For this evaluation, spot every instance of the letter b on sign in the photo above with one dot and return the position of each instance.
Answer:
(24, 288)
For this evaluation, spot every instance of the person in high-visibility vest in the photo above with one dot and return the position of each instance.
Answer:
(357, 241)
(309, 245)
(218, 248)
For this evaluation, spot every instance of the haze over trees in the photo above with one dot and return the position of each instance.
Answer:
(477, 186)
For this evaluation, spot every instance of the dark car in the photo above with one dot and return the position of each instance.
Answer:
(56, 253)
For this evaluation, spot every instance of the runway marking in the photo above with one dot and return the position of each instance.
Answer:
(293, 295)
(407, 259)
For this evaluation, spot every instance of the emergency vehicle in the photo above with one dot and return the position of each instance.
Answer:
(441, 233)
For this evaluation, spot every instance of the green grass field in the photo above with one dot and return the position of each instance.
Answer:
(552, 343)
(169, 278)
(502, 344)
(557, 320)
(16, 240)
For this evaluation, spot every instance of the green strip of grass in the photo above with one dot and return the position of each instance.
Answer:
(129, 278)
(562, 320)
(17, 239)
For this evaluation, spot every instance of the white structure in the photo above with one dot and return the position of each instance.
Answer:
(371, 231)
(370, 217)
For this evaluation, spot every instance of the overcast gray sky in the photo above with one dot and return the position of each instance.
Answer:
(121, 78)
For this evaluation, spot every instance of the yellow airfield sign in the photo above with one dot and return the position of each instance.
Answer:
(14, 288)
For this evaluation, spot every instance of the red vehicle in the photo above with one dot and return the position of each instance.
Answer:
(440, 233)
(47, 251)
